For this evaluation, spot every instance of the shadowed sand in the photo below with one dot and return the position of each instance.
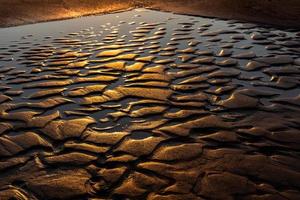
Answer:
(275, 12)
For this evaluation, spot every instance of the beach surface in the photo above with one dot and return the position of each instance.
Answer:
(274, 12)
(149, 105)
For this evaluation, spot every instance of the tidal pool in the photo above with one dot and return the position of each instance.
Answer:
(151, 105)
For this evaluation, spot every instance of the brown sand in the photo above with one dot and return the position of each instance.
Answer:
(164, 113)
(275, 12)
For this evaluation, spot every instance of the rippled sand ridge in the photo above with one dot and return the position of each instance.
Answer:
(149, 105)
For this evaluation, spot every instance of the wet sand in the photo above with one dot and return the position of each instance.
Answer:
(148, 105)
(275, 12)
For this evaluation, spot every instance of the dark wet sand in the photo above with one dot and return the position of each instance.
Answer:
(148, 105)
(275, 12)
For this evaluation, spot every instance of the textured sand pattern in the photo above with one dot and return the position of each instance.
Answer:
(162, 107)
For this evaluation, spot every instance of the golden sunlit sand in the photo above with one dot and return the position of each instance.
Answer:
(276, 12)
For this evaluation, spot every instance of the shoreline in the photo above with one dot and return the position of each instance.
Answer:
(68, 18)
(262, 12)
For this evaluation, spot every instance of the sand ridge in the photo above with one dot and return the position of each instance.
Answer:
(275, 12)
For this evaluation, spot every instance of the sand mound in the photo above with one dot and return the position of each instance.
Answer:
(16, 12)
